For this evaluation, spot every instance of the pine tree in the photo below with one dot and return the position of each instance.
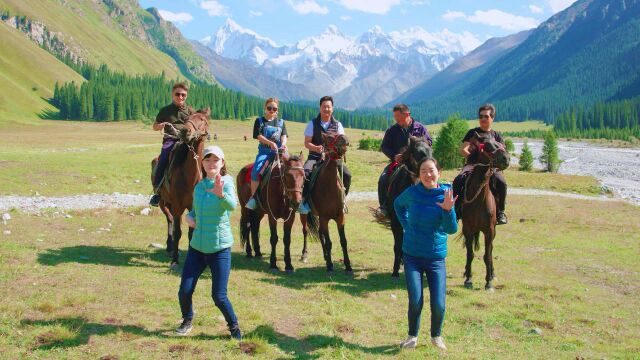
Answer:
(550, 157)
(448, 142)
(526, 158)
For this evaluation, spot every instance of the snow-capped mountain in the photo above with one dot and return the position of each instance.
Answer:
(365, 71)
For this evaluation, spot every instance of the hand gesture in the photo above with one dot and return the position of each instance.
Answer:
(218, 185)
(273, 146)
(449, 200)
(320, 148)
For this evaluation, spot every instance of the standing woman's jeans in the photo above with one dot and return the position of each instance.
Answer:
(220, 265)
(436, 274)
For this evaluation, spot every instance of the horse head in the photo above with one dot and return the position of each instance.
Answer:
(417, 150)
(293, 178)
(490, 151)
(196, 127)
(335, 145)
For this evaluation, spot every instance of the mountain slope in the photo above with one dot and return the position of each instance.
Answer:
(27, 76)
(587, 53)
(464, 67)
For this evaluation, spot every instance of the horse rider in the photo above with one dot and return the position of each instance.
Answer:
(171, 119)
(324, 123)
(394, 141)
(497, 183)
(271, 133)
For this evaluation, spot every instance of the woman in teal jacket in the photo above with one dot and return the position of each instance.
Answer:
(214, 198)
(426, 213)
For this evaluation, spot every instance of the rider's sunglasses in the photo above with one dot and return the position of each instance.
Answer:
(272, 108)
(180, 94)
(484, 117)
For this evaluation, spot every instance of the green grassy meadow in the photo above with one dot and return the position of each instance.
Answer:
(89, 285)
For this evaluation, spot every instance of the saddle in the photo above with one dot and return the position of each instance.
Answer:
(176, 157)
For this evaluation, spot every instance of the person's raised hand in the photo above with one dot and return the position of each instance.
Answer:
(449, 200)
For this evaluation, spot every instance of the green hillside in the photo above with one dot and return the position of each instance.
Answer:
(27, 75)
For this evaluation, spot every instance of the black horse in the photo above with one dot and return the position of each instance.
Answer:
(404, 175)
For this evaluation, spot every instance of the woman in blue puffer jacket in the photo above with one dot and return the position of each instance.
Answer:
(426, 213)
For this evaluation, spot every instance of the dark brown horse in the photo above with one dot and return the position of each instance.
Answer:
(278, 199)
(478, 205)
(185, 173)
(328, 197)
(404, 176)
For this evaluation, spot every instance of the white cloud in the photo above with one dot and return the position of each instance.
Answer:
(380, 7)
(214, 8)
(495, 17)
(253, 13)
(178, 18)
(559, 5)
(308, 7)
(345, 17)
(536, 9)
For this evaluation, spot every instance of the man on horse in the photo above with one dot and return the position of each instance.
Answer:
(171, 119)
(395, 139)
(271, 133)
(497, 183)
(323, 123)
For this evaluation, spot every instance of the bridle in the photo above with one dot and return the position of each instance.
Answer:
(286, 191)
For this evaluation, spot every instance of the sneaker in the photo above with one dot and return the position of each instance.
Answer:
(252, 204)
(236, 333)
(184, 328)
(410, 343)
(382, 213)
(502, 218)
(438, 342)
(304, 208)
(155, 200)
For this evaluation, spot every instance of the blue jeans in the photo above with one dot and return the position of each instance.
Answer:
(220, 265)
(436, 274)
(262, 157)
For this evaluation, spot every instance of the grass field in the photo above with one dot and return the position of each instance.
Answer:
(89, 285)
(65, 158)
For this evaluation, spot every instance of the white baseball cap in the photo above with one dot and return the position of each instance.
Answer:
(215, 150)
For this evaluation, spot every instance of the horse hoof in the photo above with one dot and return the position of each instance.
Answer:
(489, 288)
(330, 272)
(274, 269)
(249, 256)
(349, 272)
(174, 266)
(395, 275)
(258, 256)
(304, 259)
(468, 285)
(289, 271)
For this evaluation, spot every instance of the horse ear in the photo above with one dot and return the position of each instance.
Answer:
(207, 111)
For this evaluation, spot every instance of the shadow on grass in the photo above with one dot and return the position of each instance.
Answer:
(304, 348)
(103, 255)
(77, 331)
(80, 331)
(304, 278)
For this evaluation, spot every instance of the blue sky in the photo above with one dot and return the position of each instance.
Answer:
(287, 21)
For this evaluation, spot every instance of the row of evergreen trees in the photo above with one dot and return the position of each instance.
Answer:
(108, 95)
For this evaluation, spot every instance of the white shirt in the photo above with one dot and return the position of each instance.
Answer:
(308, 131)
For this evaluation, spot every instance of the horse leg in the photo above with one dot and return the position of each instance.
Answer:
(177, 234)
(305, 232)
(326, 244)
(343, 243)
(255, 233)
(245, 229)
(397, 250)
(468, 243)
(488, 261)
(288, 267)
(169, 218)
(273, 227)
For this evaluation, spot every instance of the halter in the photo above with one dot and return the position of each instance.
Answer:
(285, 189)
(487, 176)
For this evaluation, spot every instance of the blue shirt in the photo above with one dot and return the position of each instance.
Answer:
(425, 224)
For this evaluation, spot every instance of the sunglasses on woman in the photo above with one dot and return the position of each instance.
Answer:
(272, 108)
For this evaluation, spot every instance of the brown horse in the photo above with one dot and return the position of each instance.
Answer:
(478, 205)
(328, 197)
(278, 199)
(405, 176)
(185, 173)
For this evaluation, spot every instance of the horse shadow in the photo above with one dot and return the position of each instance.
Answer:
(364, 281)
(103, 255)
(304, 348)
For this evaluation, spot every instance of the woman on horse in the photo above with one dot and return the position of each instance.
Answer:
(323, 123)
(426, 213)
(214, 198)
(271, 134)
(498, 183)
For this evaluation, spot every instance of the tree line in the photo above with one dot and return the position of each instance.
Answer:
(113, 96)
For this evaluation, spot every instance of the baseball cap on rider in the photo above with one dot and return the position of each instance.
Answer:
(215, 150)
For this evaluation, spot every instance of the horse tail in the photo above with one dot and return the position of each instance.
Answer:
(475, 241)
(313, 223)
(245, 227)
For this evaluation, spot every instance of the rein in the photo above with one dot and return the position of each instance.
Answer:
(285, 190)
